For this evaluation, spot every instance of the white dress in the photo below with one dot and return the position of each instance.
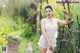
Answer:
(52, 33)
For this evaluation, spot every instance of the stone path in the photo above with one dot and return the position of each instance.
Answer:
(12, 46)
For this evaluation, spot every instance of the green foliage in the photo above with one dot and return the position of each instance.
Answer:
(9, 28)
(35, 39)
(5, 27)
(23, 46)
(27, 31)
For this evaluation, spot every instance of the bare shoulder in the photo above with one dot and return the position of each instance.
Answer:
(43, 20)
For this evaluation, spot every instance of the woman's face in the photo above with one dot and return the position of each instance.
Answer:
(48, 12)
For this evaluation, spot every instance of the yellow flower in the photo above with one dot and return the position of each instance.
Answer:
(37, 18)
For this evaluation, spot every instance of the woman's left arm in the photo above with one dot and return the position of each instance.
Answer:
(67, 19)
(63, 22)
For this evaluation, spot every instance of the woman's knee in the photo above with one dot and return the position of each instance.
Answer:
(42, 50)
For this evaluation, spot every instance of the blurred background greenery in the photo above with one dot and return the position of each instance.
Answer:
(21, 19)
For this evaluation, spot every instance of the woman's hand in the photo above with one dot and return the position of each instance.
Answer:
(67, 20)
(50, 46)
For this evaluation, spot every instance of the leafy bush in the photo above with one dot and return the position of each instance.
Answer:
(27, 31)
(35, 39)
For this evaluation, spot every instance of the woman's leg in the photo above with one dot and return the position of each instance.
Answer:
(49, 51)
(42, 50)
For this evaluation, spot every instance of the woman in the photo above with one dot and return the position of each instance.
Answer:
(49, 27)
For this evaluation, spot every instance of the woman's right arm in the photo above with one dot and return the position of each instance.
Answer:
(43, 31)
